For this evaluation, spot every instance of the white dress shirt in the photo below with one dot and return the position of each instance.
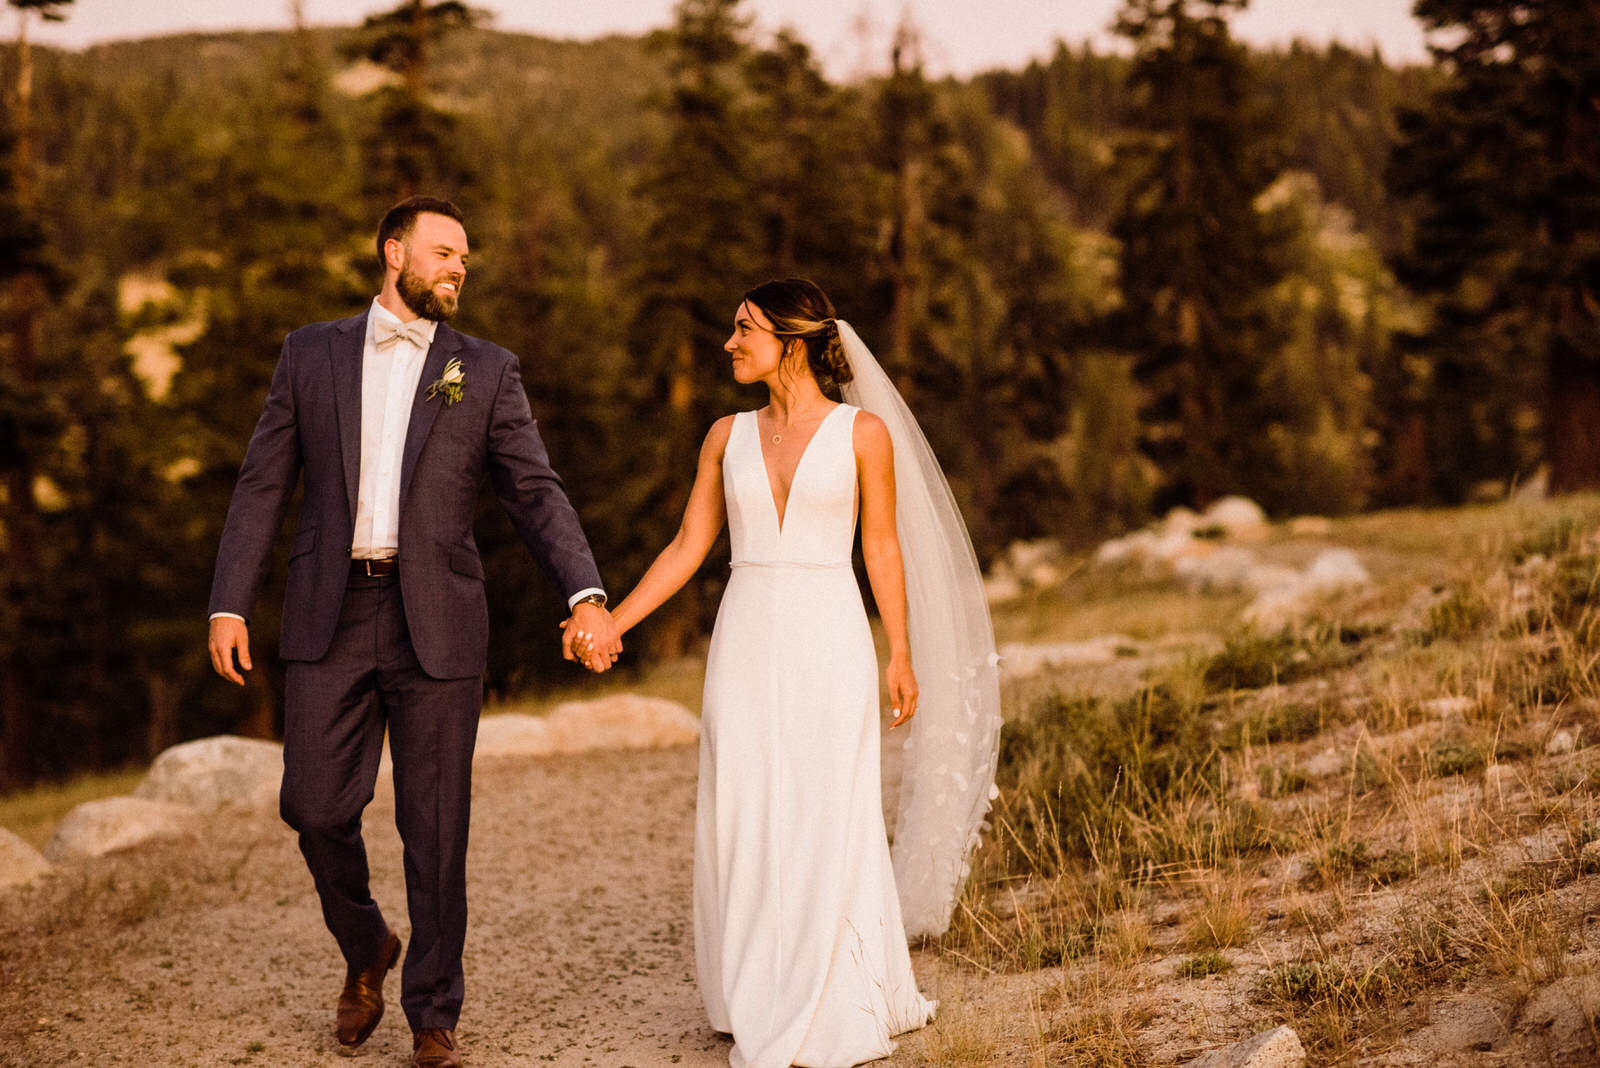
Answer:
(389, 379)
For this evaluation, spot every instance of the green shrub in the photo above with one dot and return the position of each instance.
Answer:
(1291, 721)
(1276, 781)
(1456, 755)
(1346, 858)
(1212, 963)
(1573, 588)
(1303, 981)
(1560, 537)
(1461, 615)
(1137, 777)
(1250, 661)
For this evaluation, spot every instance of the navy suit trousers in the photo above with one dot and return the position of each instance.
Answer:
(335, 713)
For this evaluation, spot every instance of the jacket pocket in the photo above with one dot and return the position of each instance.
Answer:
(304, 542)
(465, 561)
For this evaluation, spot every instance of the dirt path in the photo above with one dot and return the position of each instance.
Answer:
(579, 950)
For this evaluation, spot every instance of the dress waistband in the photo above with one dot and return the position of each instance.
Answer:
(803, 565)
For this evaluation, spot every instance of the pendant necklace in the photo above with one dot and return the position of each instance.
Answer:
(777, 439)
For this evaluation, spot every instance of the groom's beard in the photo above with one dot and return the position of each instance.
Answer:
(420, 297)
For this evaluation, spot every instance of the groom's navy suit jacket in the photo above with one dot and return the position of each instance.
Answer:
(312, 422)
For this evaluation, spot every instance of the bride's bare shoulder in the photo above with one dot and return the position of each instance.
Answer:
(717, 438)
(870, 436)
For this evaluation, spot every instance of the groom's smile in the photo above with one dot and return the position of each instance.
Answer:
(434, 267)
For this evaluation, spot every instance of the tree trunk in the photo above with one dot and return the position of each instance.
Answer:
(905, 250)
(675, 630)
(14, 708)
(1410, 473)
(20, 521)
(22, 116)
(162, 732)
(20, 525)
(416, 63)
(1572, 422)
(983, 475)
(261, 720)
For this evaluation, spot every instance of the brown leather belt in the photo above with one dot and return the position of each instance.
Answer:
(374, 568)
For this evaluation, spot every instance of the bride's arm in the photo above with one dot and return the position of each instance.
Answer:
(880, 546)
(702, 522)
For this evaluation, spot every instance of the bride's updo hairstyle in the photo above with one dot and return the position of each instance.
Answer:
(798, 308)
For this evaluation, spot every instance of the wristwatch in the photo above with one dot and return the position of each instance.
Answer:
(596, 599)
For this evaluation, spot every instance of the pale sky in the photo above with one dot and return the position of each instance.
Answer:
(960, 36)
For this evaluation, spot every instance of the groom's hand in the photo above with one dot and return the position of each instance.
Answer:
(227, 635)
(591, 635)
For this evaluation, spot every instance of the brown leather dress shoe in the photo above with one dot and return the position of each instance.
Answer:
(361, 1000)
(434, 1047)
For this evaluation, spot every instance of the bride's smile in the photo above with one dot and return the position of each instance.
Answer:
(755, 350)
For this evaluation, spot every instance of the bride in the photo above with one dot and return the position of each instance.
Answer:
(800, 933)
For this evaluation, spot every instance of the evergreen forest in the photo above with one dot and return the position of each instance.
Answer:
(1108, 284)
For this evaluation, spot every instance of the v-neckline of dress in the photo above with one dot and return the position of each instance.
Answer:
(761, 451)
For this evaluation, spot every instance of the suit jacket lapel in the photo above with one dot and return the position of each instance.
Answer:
(345, 356)
(445, 343)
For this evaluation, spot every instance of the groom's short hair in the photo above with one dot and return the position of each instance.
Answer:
(400, 220)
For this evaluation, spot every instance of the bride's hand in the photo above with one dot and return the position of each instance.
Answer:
(569, 641)
(902, 691)
(579, 645)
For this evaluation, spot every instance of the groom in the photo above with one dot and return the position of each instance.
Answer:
(394, 418)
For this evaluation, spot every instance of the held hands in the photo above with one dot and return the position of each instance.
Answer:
(591, 637)
(902, 690)
(227, 635)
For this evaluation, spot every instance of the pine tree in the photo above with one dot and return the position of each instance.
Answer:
(25, 426)
(26, 429)
(697, 184)
(274, 242)
(414, 146)
(806, 182)
(1505, 163)
(911, 134)
(1073, 109)
(1199, 259)
(1022, 300)
(975, 300)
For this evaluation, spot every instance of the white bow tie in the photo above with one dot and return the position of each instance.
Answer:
(386, 333)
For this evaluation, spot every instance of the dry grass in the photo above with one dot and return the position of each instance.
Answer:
(1341, 823)
(1092, 1020)
(32, 814)
(1222, 918)
(1140, 609)
(965, 1037)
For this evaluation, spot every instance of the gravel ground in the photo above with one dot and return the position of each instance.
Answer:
(212, 951)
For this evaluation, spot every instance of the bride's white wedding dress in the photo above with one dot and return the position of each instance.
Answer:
(799, 944)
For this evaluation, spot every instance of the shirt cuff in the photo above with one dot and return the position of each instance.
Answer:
(572, 602)
(226, 615)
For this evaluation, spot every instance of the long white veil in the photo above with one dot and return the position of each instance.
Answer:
(947, 779)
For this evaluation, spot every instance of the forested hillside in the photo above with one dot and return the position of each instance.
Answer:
(1105, 284)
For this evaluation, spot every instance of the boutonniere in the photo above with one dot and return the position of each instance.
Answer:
(448, 383)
